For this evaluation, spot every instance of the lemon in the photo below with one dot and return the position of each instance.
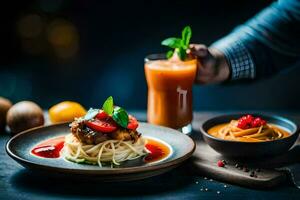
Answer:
(66, 111)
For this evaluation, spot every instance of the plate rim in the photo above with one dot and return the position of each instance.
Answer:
(107, 171)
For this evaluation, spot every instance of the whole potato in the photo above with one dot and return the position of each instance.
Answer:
(24, 115)
(5, 105)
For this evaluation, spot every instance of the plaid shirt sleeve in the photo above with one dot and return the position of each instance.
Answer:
(265, 44)
(238, 57)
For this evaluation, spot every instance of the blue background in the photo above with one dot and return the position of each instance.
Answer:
(113, 38)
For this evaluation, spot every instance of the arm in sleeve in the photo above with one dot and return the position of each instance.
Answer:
(266, 44)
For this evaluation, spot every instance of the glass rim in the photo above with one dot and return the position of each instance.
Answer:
(160, 56)
(155, 56)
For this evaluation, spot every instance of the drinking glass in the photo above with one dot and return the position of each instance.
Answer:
(170, 91)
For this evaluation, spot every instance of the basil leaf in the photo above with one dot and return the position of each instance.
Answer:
(120, 116)
(180, 45)
(186, 37)
(181, 52)
(172, 42)
(90, 114)
(169, 54)
(108, 105)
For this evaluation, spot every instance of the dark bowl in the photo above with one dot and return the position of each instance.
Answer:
(250, 149)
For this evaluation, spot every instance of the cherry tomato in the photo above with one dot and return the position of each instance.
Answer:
(255, 122)
(102, 115)
(248, 121)
(102, 125)
(132, 123)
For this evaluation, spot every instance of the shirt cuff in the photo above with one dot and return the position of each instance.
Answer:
(237, 56)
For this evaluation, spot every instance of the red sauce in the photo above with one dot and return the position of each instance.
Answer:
(49, 148)
(157, 150)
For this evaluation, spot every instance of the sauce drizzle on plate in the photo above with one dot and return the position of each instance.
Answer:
(49, 148)
(157, 151)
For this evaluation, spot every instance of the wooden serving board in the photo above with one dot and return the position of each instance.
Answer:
(204, 161)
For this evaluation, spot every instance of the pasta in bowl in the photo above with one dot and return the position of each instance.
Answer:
(256, 135)
(248, 129)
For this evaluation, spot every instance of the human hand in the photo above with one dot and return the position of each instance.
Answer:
(212, 66)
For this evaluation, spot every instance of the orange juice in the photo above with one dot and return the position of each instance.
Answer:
(170, 92)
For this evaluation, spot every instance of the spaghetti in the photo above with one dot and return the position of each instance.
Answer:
(231, 131)
(109, 151)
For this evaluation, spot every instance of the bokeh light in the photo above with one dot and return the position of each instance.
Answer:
(64, 38)
(30, 26)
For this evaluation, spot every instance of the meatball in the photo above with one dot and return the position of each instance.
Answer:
(125, 134)
(85, 134)
(88, 136)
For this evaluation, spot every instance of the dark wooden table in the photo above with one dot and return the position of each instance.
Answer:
(181, 183)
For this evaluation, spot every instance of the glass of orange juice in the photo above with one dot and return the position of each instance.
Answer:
(170, 91)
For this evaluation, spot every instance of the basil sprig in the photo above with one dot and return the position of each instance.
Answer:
(120, 116)
(108, 105)
(179, 45)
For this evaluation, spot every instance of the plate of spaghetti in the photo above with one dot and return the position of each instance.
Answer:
(250, 135)
(106, 143)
